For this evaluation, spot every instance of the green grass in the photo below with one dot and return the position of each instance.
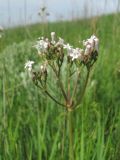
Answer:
(32, 127)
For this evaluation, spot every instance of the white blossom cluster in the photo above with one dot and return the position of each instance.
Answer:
(56, 46)
(91, 45)
(57, 56)
(74, 53)
(42, 45)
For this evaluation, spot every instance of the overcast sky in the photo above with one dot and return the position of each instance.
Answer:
(15, 12)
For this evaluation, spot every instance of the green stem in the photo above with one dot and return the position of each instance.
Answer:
(75, 86)
(68, 91)
(59, 81)
(54, 98)
(64, 135)
(70, 130)
(50, 96)
(83, 91)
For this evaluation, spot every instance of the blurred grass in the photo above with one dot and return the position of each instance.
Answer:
(32, 127)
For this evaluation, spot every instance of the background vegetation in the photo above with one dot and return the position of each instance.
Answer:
(32, 127)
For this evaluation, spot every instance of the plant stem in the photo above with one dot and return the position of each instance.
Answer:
(64, 135)
(68, 86)
(75, 86)
(50, 96)
(83, 91)
(54, 98)
(70, 130)
(60, 82)
(68, 91)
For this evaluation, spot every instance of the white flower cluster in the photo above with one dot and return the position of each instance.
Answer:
(54, 49)
(74, 53)
(42, 45)
(29, 64)
(91, 45)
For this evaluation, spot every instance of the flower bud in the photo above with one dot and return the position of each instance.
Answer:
(53, 37)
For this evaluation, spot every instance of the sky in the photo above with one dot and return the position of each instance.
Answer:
(17, 12)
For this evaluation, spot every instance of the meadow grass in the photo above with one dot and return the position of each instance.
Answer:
(32, 127)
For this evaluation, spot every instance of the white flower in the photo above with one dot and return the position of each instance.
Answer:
(96, 44)
(53, 37)
(91, 44)
(75, 53)
(41, 46)
(28, 65)
(67, 46)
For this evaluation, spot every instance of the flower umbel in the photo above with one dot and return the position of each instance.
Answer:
(57, 57)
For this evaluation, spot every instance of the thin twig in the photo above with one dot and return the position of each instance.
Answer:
(75, 86)
(50, 96)
(68, 86)
(83, 92)
(54, 98)
(60, 82)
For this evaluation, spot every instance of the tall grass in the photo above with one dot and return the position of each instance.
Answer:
(32, 127)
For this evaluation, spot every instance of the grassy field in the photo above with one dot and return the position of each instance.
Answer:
(32, 127)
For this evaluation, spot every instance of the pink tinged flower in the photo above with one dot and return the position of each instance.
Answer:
(28, 65)
(96, 44)
(91, 44)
